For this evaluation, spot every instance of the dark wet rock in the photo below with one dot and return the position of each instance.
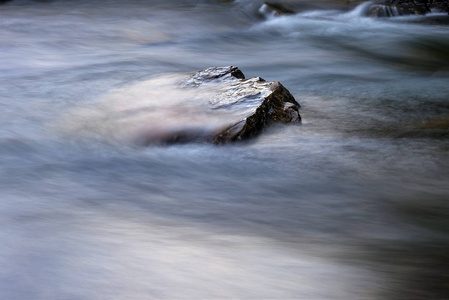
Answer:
(261, 102)
(276, 9)
(249, 105)
(392, 10)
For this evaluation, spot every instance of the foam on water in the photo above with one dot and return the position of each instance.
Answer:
(154, 110)
(359, 11)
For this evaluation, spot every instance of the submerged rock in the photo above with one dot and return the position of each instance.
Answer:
(392, 10)
(276, 9)
(250, 105)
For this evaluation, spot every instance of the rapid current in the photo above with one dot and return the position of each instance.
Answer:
(351, 204)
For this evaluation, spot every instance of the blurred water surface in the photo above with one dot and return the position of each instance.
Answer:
(352, 204)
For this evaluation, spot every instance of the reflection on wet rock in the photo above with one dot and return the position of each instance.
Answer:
(214, 74)
(262, 102)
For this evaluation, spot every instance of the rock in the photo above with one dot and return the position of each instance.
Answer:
(258, 102)
(276, 9)
(216, 105)
(251, 104)
(214, 73)
(392, 10)
(261, 102)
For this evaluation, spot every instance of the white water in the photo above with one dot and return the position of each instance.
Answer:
(351, 204)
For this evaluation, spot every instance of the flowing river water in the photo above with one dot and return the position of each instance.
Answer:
(351, 204)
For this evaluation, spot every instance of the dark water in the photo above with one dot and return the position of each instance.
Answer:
(352, 204)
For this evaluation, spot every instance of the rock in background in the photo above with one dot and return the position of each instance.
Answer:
(390, 8)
